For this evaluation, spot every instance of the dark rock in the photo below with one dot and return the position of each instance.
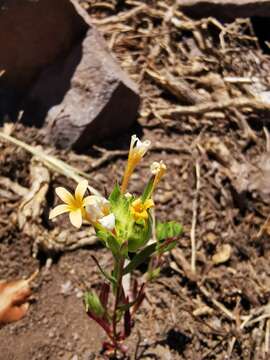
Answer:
(51, 52)
(33, 33)
(225, 9)
(84, 97)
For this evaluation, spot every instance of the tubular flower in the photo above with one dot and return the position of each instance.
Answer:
(137, 150)
(98, 210)
(97, 207)
(139, 209)
(158, 169)
(74, 205)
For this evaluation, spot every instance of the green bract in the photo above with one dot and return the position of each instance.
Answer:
(134, 233)
(142, 231)
(93, 304)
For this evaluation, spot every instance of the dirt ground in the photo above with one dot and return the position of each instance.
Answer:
(205, 108)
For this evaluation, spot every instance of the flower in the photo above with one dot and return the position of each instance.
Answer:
(98, 210)
(108, 222)
(158, 169)
(74, 205)
(137, 150)
(139, 209)
(97, 207)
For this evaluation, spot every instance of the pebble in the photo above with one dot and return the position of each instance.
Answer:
(66, 288)
(79, 293)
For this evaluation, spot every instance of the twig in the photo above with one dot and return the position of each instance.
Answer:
(194, 219)
(216, 303)
(106, 157)
(14, 187)
(267, 138)
(181, 261)
(122, 17)
(214, 106)
(51, 162)
(180, 89)
(248, 132)
(267, 334)
(231, 346)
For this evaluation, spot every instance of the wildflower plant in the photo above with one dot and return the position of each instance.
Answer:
(124, 224)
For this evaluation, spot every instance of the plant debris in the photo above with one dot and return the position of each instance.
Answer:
(217, 121)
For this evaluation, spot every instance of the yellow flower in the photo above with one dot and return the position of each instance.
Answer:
(158, 169)
(74, 205)
(139, 209)
(137, 150)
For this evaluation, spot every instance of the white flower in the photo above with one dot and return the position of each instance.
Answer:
(158, 167)
(138, 147)
(128, 195)
(108, 222)
(137, 150)
(97, 207)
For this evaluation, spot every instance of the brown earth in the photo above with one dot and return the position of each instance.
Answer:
(221, 312)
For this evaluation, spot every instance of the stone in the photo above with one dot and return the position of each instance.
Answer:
(59, 72)
(225, 9)
(33, 33)
(84, 97)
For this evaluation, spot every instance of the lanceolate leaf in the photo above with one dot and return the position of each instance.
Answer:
(166, 246)
(115, 195)
(140, 258)
(103, 272)
(168, 230)
(148, 189)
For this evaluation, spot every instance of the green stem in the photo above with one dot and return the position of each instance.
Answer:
(119, 265)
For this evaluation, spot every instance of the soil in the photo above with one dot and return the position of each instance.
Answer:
(184, 316)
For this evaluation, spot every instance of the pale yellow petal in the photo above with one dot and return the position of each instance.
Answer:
(75, 218)
(81, 189)
(143, 215)
(89, 200)
(148, 203)
(58, 210)
(65, 195)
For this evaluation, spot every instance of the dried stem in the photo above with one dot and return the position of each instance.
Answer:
(194, 219)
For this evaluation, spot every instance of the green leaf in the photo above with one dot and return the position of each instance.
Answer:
(168, 230)
(140, 258)
(107, 276)
(141, 233)
(109, 240)
(115, 195)
(93, 304)
(166, 247)
(148, 189)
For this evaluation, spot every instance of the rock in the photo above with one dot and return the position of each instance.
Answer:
(83, 97)
(32, 35)
(225, 9)
(222, 255)
(74, 87)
